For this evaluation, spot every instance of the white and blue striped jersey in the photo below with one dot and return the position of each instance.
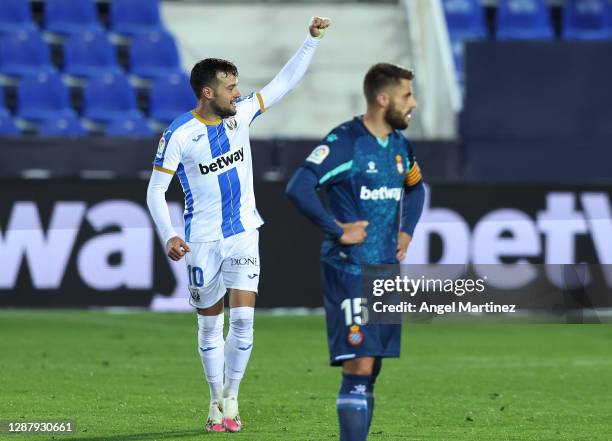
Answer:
(212, 160)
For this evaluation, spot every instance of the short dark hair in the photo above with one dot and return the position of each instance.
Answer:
(383, 75)
(204, 73)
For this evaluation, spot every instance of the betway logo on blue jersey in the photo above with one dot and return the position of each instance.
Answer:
(380, 194)
(223, 161)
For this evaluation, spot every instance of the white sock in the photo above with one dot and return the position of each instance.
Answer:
(238, 347)
(211, 349)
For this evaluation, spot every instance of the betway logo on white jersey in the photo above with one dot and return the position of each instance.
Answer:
(223, 161)
(380, 194)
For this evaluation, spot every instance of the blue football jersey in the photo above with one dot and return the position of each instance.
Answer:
(363, 179)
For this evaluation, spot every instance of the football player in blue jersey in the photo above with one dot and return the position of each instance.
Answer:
(375, 193)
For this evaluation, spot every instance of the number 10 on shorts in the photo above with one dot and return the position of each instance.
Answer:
(196, 276)
(355, 311)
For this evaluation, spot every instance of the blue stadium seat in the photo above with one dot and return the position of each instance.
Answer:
(16, 15)
(129, 128)
(523, 20)
(170, 97)
(62, 127)
(43, 96)
(109, 98)
(90, 54)
(154, 55)
(587, 20)
(71, 16)
(24, 53)
(3, 109)
(465, 19)
(8, 126)
(133, 17)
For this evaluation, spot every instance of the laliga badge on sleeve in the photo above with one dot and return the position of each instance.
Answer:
(319, 154)
(160, 147)
(355, 336)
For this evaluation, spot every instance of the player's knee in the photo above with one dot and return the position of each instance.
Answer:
(215, 309)
(241, 322)
(359, 366)
(210, 329)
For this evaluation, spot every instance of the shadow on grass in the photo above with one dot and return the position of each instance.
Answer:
(137, 436)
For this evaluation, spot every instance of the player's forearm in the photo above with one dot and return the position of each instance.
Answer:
(291, 74)
(301, 190)
(413, 200)
(158, 207)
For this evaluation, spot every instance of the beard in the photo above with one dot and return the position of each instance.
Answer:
(223, 112)
(395, 119)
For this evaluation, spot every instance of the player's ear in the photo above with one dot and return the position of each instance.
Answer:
(382, 99)
(208, 92)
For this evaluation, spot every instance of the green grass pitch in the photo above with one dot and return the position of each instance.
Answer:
(137, 376)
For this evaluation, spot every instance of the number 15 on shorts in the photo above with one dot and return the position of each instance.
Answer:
(355, 311)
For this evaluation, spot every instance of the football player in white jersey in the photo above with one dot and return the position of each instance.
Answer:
(208, 148)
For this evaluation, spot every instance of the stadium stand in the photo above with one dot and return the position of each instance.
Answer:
(587, 20)
(108, 98)
(134, 17)
(154, 55)
(89, 45)
(43, 96)
(8, 126)
(129, 128)
(16, 15)
(465, 19)
(67, 127)
(24, 53)
(523, 20)
(90, 54)
(169, 97)
(71, 16)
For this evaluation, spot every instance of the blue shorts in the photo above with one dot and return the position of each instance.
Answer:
(347, 336)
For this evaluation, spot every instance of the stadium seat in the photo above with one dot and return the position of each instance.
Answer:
(134, 17)
(24, 53)
(90, 54)
(43, 96)
(523, 20)
(62, 127)
(108, 98)
(170, 97)
(16, 15)
(71, 16)
(3, 109)
(465, 19)
(587, 20)
(154, 55)
(8, 126)
(129, 128)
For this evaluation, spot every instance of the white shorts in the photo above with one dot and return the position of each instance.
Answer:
(214, 267)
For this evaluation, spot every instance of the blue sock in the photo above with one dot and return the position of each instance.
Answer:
(370, 389)
(352, 407)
